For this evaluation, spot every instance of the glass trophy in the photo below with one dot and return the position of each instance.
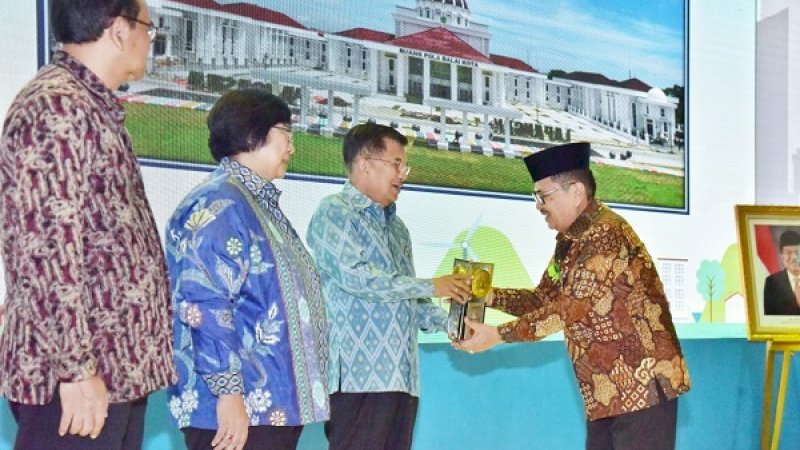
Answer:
(475, 308)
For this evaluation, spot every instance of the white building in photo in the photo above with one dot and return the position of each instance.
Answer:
(630, 106)
(438, 51)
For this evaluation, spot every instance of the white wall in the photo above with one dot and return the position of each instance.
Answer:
(778, 103)
(17, 48)
(17, 57)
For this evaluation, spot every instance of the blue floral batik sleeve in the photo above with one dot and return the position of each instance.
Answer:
(209, 266)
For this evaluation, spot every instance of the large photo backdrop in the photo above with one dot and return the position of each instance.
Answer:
(475, 85)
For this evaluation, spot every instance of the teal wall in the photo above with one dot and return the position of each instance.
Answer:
(523, 396)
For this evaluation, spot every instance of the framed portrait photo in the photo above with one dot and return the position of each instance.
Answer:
(769, 243)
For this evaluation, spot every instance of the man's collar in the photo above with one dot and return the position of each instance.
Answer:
(359, 200)
(583, 222)
(90, 80)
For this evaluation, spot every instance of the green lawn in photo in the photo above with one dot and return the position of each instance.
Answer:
(178, 134)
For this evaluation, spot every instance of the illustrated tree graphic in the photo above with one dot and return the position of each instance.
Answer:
(711, 285)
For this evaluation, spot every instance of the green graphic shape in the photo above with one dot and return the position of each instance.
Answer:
(487, 244)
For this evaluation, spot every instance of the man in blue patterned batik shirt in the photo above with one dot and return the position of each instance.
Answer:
(375, 302)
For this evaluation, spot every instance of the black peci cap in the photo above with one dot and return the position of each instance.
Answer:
(558, 159)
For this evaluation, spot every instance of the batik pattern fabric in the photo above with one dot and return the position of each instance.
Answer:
(376, 306)
(250, 317)
(86, 282)
(602, 289)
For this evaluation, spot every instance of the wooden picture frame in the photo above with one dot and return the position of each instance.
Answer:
(769, 244)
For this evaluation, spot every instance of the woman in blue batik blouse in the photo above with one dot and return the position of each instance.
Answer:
(249, 330)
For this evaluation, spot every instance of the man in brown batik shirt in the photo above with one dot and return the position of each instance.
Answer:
(87, 313)
(602, 289)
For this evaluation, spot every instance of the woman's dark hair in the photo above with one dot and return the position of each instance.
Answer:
(240, 120)
(367, 139)
(81, 21)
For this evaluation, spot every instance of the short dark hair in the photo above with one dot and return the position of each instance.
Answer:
(789, 237)
(367, 139)
(583, 176)
(240, 120)
(81, 21)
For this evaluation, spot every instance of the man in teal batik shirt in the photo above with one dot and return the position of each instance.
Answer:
(375, 302)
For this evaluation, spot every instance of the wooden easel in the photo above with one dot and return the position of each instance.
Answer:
(770, 441)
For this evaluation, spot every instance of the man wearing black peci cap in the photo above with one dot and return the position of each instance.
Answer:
(602, 290)
(782, 289)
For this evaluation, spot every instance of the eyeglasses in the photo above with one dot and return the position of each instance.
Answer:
(399, 166)
(539, 197)
(152, 29)
(288, 132)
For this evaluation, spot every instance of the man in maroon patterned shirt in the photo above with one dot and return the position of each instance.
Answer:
(88, 331)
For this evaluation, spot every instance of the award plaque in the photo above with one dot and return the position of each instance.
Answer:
(475, 308)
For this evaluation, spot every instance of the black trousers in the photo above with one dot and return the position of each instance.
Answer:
(648, 429)
(258, 438)
(38, 427)
(371, 421)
